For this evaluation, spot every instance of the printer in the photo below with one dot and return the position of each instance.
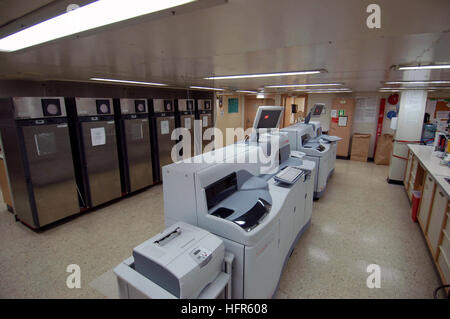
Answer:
(182, 260)
(259, 219)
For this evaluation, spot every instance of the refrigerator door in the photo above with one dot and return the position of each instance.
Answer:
(206, 123)
(102, 163)
(164, 128)
(137, 139)
(188, 121)
(51, 171)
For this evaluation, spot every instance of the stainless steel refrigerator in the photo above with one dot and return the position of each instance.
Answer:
(134, 136)
(204, 114)
(186, 114)
(164, 117)
(96, 135)
(38, 154)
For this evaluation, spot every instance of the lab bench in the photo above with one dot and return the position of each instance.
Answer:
(424, 173)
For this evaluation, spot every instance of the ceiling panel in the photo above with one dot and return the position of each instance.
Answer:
(252, 36)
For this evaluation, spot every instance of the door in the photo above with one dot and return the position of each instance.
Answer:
(137, 139)
(187, 121)
(102, 161)
(164, 128)
(345, 108)
(206, 123)
(427, 193)
(51, 171)
(251, 107)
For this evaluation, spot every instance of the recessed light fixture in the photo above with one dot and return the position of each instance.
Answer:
(419, 82)
(302, 85)
(88, 17)
(128, 82)
(424, 67)
(260, 95)
(244, 91)
(206, 88)
(263, 75)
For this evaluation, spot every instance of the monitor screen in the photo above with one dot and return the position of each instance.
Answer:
(317, 109)
(268, 119)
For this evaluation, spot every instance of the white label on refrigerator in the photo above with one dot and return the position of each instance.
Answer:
(205, 121)
(187, 123)
(164, 127)
(98, 136)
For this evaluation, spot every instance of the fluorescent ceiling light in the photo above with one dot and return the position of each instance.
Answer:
(418, 82)
(326, 89)
(418, 88)
(244, 91)
(424, 67)
(302, 85)
(312, 92)
(206, 88)
(128, 82)
(262, 75)
(90, 16)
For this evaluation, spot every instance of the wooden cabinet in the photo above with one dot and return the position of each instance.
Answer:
(433, 214)
(4, 184)
(435, 225)
(425, 201)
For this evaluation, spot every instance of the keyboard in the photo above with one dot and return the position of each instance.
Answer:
(289, 175)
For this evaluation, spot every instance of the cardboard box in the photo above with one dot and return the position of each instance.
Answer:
(360, 147)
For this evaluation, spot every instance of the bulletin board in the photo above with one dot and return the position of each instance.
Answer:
(233, 105)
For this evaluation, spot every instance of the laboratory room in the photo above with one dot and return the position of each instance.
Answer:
(257, 150)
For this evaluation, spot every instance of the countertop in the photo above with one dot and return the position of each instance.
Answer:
(431, 163)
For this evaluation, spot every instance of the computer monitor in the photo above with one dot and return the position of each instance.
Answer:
(268, 117)
(317, 109)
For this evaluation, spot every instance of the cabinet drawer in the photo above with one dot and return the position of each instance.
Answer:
(444, 265)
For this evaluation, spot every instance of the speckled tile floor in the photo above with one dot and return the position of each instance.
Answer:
(360, 220)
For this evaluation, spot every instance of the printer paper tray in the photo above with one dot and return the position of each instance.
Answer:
(134, 285)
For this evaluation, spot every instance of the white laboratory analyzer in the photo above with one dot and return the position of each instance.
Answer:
(307, 138)
(258, 213)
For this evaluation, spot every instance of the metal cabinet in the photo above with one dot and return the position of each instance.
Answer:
(163, 114)
(204, 114)
(99, 153)
(186, 113)
(39, 157)
(134, 137)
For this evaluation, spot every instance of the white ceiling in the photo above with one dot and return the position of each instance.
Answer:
(249, 36)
